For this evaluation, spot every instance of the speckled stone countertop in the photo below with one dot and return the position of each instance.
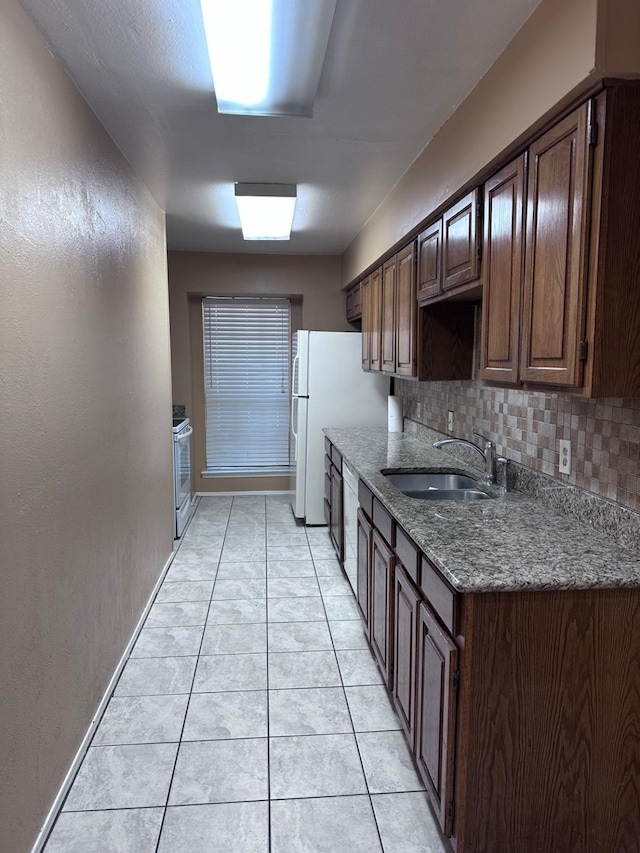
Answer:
(510, 543)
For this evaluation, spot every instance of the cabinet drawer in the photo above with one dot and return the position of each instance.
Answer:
(441, 598)
(409, 555)
(327, 488)
(383, 522)
(365, 499)
(336, 458)
(327, 464)
(327, 447)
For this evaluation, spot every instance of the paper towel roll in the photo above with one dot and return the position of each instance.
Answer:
(394, 414)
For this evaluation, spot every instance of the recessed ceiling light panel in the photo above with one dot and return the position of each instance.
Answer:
(266, 210)
(267, 55)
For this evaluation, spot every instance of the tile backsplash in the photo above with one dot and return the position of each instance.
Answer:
(526, 427)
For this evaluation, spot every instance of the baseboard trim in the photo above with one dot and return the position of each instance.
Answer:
(47, 826)
(242, 494)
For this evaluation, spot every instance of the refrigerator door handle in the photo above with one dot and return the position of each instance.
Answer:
(294, 416)
(295, 372)
(294, 425)
(299, 408)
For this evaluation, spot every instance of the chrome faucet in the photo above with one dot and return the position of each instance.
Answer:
(488, 453)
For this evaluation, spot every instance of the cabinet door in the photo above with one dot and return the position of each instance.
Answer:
(365, 299)
(556, 254)
(389, 315)
(364, 569)
(354, 303)
(381, 592)
(375, 318)
(460, 242)
(436, 713)
(430, 261)
(336, 525)
(405, 329)
(503, 257)
(407, 601)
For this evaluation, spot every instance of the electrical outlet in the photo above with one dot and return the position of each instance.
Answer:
(564, 463)
(449, 421)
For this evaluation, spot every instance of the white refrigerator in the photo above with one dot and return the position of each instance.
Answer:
(330, 389)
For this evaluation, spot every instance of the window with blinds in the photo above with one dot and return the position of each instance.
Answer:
(246, 380)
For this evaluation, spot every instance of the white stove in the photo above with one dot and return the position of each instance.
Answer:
(182, 432)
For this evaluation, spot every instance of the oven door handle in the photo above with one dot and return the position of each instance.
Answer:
(186, 434)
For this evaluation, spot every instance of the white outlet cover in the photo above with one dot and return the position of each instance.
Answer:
(564, 462)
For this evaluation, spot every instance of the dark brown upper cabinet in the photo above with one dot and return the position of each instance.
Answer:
(556, 253)
(375, 339)
(388, 349)
(503, 258)
(405, 312)
(389, 294)
(612, 365)
(460, 242)
(578, 324)
(371, 299)
(560, 279)
(430, 261)
(354, 303)
(365, 301)
(449, 250)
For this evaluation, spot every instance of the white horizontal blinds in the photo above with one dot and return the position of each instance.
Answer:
(246, 378)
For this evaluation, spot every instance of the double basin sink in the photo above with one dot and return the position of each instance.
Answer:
(435, 486)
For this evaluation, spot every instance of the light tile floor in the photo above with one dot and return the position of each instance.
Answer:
(250, 717)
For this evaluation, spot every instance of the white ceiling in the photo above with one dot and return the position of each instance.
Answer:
(395, 70)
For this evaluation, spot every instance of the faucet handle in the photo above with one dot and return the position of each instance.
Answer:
(479, 435)
(503, 478)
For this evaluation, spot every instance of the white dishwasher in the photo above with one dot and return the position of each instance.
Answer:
(350, 510)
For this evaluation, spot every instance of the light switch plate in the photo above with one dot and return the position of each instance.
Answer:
(564, 462)
(449, 421)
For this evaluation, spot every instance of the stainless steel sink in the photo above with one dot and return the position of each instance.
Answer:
(436, 486)
(447, 494)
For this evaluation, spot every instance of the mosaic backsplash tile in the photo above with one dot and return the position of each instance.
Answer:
(526, 427)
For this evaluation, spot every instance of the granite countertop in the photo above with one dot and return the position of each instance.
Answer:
(513, 542)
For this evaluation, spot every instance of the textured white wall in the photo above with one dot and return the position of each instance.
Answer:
(85, 407)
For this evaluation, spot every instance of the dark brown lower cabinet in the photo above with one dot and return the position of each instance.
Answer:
(437, 686)
(548, 750)
(521, 708)
(336, 520)
(365, 531)
(334, 497)
(327, 497)
(383, 562)
(407, 601)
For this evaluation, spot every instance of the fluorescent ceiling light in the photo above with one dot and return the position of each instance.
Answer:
(266, 210)
(267, 55)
